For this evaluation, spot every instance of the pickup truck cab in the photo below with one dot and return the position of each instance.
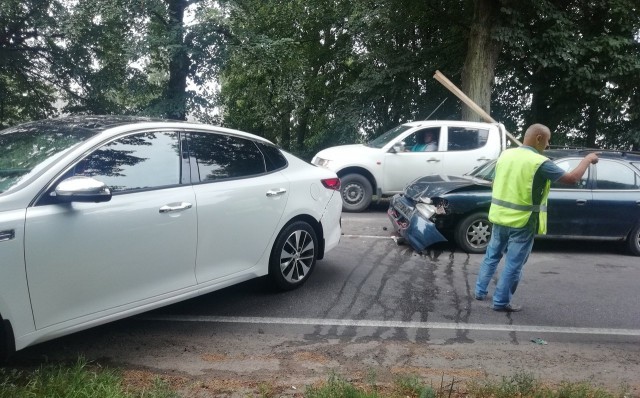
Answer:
(385, 165)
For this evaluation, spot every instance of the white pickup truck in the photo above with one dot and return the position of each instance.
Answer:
(387, 164)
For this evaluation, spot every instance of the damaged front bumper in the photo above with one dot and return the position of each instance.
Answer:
(413, 225)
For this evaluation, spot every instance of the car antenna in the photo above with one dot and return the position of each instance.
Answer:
(434, 111)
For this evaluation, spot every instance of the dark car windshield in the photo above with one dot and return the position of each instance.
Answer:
(485, 172)
(385, 138)
(29, 148)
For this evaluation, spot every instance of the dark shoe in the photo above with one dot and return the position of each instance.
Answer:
(479, 298)
(507, 308)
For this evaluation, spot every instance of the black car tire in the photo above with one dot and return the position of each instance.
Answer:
(473, 233)
(356, 192)
(634, 240)
(293, 257)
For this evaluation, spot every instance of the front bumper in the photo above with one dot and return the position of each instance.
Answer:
(411, 225)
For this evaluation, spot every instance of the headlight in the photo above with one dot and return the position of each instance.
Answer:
(321, 162)
(426, 210)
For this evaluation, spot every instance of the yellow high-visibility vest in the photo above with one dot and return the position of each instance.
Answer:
(511, 199)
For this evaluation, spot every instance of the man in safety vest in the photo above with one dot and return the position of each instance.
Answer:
(519, 211)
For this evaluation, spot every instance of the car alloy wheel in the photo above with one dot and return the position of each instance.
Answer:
(294, 255)
(473, 233)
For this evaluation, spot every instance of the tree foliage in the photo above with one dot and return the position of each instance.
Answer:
(310, 74)
(29, 51)
(573, 65)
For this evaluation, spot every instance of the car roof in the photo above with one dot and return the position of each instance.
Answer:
(89, 123)
(448, 123)
(555, 153)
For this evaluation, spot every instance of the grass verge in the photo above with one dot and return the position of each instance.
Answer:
(84, 380)
(78, 380)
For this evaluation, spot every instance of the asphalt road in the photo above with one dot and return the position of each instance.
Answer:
(577, 296)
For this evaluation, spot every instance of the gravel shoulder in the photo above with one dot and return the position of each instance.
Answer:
(205, 360)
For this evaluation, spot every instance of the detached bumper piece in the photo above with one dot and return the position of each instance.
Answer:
(411, 225)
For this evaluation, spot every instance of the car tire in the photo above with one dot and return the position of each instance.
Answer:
(293, 257)
(473, 233)
(356, 192)
(634, 240)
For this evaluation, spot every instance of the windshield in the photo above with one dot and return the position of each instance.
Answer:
(31, 147)
(485, 172)
(385, 138)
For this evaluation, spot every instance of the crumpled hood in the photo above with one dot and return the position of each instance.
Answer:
(437, 185)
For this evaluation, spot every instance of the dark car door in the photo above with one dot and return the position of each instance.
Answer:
(616, 199)
(570, 206)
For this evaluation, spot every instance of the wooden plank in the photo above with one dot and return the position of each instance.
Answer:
(469, 102)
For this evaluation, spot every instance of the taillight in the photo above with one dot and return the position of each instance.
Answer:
(331, 183)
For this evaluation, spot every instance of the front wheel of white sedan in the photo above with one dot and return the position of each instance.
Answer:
(293, 256)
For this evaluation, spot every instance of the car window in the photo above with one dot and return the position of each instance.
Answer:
(485, 172)
(568, 165)
(274, 159)
(139, 161)
(387, 137)
(614, 175)
(464, 138)
(418, 138)
(221, 156)
(30, 148)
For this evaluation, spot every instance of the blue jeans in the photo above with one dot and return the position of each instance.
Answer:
(517, 244)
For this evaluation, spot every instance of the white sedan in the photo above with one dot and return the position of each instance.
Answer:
(103, 217)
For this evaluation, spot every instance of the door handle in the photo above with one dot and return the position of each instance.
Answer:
(276, 192)
(581, 202)
(7, 235)
(483, 159)
(173, 207)
(433, 160)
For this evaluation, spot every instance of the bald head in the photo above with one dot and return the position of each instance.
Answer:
(537, 136)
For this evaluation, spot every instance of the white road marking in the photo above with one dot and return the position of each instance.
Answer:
(368, 236)
(394, 324)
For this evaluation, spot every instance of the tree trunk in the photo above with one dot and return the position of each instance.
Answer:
(482, 56)
(175, 91)
(301, 129)
(592, 126)
(285, 131)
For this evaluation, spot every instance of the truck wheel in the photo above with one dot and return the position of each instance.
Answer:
(356, 192)
(634, 240)
(473, 233)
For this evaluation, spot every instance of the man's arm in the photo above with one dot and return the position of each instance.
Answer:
(573, 176)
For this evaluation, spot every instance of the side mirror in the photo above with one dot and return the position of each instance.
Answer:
(398, 147)
(81, 189)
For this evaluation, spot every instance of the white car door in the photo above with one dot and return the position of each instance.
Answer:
(400, 168)
(239, 203)
(87, 260)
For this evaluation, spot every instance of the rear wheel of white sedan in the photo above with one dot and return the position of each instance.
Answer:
(293, 256)
(473, 233)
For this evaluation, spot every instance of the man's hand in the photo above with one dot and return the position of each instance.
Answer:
(592, 157)
(574, 176)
